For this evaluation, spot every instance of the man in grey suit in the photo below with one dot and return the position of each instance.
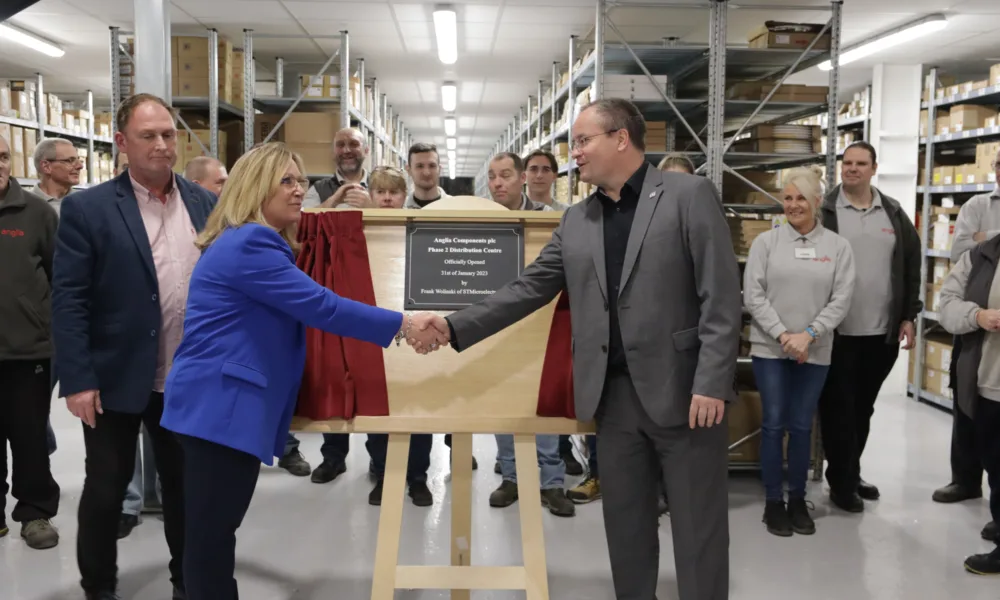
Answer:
(654, 294)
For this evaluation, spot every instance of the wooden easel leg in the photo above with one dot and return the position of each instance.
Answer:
(530, 504)
(390, 520)
(461, 505)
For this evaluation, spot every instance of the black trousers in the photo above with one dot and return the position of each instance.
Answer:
(25, 400)
(858, 368)
(418, 461)
(966, 466)
(110, 464)
(987, 424)
(219, 483)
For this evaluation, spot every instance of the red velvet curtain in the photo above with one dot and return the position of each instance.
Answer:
(343, 377)
(555, 391)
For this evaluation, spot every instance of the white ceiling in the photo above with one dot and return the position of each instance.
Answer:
(505, 46)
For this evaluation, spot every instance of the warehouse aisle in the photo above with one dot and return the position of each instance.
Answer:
(304, 541)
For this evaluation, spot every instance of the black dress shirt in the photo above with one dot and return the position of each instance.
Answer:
(618, 217)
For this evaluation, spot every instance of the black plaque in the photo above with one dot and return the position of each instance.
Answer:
(453, 265)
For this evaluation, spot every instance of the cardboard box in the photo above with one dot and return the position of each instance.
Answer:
(933, 298)
(995, 75)
(319, 127)
(316, 158)
(942, 233)
(940, 268)
(190, 48)
(937, 382)
(937, 354)
(967, 117)
(944, 176)
(191, 87)
(942, 124)
(745, 417)
(787, 35)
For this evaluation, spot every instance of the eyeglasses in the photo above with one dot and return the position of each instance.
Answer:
(71, 161)
(583, 140)
(290, 182)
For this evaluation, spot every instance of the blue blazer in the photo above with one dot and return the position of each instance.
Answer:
(235, 377)
(105, 295)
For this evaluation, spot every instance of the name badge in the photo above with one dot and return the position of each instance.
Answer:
(805, 253)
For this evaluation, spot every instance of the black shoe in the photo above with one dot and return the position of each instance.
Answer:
(776, 518)
(850, 502)
(375, 496)
(984, 564)
(989, 533)
(4, 530)
(954, 492)
(420, 494)
(505, 495)
(662, 505)
(126, 523)
(496, 468)
(558, 504)
(867, 491)
(798, 512)
(179, 593)
(295, 464)
(573, 466)
(328, 471)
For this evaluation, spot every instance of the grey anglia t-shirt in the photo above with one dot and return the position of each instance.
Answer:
(873, 239)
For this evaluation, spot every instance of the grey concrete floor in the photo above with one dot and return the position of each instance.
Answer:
(305, 541)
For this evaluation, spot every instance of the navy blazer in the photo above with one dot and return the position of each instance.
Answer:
(236, 375)
(106, 315)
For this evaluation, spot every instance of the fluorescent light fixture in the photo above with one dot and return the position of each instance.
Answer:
(452, 143)
(449, 96)
(451, 157)
(450, 126)
(31, 40)
(446, 30)
(451, 170)
(894, 37)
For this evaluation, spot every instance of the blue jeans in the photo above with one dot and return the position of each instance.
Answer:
(592, 459)
(145, 484)
(291, 445)
(553, 469)
(789, 394)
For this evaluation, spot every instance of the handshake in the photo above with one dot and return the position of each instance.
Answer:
(424, 332)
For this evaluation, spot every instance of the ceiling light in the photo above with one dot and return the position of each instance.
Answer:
(446, 30)
(31, 40)
(893, 37)
(451, 171)
(452, 143)
(449, 96)
(450, 126)
(451, 157)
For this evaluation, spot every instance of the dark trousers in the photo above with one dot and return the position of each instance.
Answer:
(592, 459)
(25, 398)
(219, 483)
(858, 368)
(110, 464)
(694, 465)
(335, 447)
(966, 466)
(789, 393)
(987, 424)
(417, 463)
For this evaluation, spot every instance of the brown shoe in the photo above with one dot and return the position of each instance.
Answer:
(40, 534)
(586, 492)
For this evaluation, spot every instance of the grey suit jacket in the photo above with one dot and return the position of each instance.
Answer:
(679, 304)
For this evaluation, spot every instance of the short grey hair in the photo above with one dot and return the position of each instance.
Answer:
(197, 167)
(619, 113)
(46, 150)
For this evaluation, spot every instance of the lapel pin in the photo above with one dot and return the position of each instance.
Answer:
(651, 194)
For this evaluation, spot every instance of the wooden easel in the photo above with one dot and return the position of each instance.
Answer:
(491, 388)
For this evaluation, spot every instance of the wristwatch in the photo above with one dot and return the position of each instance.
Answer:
(812, 333)
(404, 329)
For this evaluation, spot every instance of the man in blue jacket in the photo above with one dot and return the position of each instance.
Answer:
(124, 255)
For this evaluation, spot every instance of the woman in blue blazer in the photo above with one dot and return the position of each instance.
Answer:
(232, 389)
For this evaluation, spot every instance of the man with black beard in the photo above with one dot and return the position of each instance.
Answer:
(349, 185)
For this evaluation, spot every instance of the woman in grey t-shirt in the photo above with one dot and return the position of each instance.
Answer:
(797, 287)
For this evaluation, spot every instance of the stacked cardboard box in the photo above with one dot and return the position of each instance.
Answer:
(745, 231)
(755, 90)
(311, 136)
(126, 69)
(190, 68)
(736, 191)
(635, 87)
(102, 124)
(775, 34)
(782, 139)
(967, 117)
(188, 146)
(986, 155)
(937, 365)
(942, 232)
(18, 164)
(656, 136)
(22, 100)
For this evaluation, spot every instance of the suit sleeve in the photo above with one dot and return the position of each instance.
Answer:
(539, 284)
(72, 271)
(262, 268)
(912, 285)
(717, 284)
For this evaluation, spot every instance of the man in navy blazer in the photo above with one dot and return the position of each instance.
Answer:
(124, 256)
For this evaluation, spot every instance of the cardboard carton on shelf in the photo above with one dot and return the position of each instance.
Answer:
(776, 34)
(942, 232)
(967, 117)
(940, 269)
(17, 162)
(944, 176)
(995, 75)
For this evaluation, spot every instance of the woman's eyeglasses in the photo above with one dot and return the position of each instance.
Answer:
(290, 182)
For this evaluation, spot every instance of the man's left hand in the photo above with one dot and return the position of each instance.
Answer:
(907, 331)
(705, 411)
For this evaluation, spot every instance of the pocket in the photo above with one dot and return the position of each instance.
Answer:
(686, 339)
(244, 373)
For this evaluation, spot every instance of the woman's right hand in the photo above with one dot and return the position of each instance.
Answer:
(796, 345)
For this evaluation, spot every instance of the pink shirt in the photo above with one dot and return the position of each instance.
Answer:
(171, 237)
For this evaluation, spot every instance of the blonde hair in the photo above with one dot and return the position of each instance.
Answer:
(387, 178)
(809, 182)
(676, 159)
(253, 182)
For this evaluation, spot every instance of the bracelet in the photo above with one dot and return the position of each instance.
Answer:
(404, 329)
(811, 332)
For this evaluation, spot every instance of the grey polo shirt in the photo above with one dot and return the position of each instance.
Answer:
(980, 213)
(794, 281)
(52, 201)
(873, 240)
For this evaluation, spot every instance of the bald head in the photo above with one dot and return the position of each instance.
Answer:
(208, 173)
(350, 149)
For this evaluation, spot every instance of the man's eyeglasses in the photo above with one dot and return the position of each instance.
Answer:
(72, 161)
(583, 140)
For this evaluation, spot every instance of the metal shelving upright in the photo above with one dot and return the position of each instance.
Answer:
(376, 130)
(927, 321)
(699, 66)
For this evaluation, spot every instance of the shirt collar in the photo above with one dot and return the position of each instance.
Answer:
(635, 182)
(813, 236)
(364, 178)
(142, 193)
(843, 202)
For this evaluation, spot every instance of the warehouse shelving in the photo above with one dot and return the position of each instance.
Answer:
(950, 143)
(40, 124)
(385, 149)
(694, 99)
